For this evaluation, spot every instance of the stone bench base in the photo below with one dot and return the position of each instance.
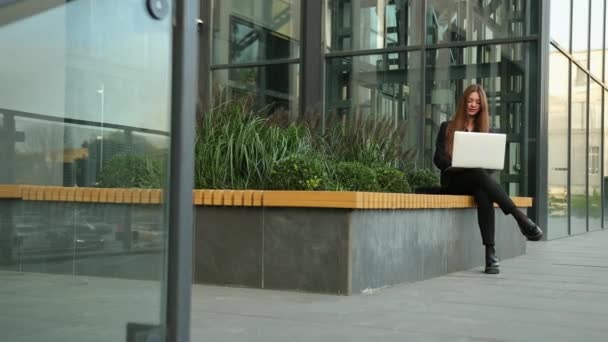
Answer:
(341, 251)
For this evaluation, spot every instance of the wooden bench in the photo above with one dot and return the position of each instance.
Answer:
(248, 198)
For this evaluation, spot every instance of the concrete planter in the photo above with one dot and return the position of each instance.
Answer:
(341, 251)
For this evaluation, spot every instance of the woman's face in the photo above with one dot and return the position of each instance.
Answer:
(473, 104)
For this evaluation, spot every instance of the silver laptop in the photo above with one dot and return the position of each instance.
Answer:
(479, 150)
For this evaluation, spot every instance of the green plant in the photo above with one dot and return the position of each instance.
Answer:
(131, 171)
(299, 172)
(370, 140)
(418, 178)
(355, 176)
(392, 180)
(236, 147)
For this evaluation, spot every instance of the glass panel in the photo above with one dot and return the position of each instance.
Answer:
(274, 88)
(499, 68)
(383, 88)
(557, 135)
(255, 30)
(605, 177)
(471, 20)
(605, 76)
(560, 22)
(596, 64)
(580, 32)
(375, 24)
(578, 137)
(85, 102)
(594, 161)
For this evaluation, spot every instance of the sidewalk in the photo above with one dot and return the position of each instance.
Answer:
(558, 291)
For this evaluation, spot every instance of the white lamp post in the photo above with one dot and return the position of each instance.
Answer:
(101, 92)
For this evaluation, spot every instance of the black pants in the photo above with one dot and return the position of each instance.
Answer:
(486, 191)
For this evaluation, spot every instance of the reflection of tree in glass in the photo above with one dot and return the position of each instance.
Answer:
(115, 144)
(39, 158)
(132, 171)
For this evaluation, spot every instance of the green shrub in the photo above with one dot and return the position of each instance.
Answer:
(236, 148)
(422, 178)
(131, 171)
(392, 180)
(372, 140)
(299, 172)
(355, 176)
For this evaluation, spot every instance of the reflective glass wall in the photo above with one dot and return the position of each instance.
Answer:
(85, 96)
(401, 63)
(256, 54)
(411, 60)
(576, 108)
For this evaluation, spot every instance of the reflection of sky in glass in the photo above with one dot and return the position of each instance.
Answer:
(93, 60)
(580, 23)
(275, 16)
(597, 24)
(560, 22)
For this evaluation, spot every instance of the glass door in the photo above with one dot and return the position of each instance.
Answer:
(85, 121)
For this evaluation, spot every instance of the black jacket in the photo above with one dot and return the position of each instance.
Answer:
(441, 159)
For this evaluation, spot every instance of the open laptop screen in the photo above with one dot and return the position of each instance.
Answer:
(479, 150)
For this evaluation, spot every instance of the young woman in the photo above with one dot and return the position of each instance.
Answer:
(472, 116)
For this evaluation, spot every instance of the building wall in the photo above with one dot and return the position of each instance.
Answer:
(389, 61)
(576, 95)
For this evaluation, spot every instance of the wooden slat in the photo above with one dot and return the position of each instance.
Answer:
(127, 196)
(218, 198)
(10, 191)
(323, 199)
(208, 197)
(197, 197)
(257, 198)
(156, 196)
(238, 198)
(103, 195)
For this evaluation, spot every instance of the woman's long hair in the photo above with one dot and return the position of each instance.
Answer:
(458, 123)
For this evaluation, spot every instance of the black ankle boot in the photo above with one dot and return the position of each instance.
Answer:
(527, 227)
(492, 263)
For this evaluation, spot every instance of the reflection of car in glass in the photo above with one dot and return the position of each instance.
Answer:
(87, 236)
(143, 234)
(100, 225)
(36, 238)
(147, 232)
(39, 239)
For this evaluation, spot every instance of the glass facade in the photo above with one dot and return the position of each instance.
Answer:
(419, 88)
(376, 24)
(256, 53)
(501, 70)
(255, 31)
(594, 181)
(274, 87)
(560, 23)
(557, 144)
(85, 92)
(580, 33)
(578, 148)
(389, 60)
(579, 46)
(470, 20)
(596, 38)
(382, 87)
